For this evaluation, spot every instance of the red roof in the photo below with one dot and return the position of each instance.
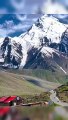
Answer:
(3, 99)
(4, 111)
(10, 99)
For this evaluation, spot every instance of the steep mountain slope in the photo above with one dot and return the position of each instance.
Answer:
(42, 46)
(47, 58)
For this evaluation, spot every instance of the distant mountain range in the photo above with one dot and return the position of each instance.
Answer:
(43, 46)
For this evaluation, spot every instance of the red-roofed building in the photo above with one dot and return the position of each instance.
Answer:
(10, 101)
(2, 100)
(12, 98)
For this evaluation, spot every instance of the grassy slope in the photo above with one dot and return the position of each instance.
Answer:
(44, 74)
(14, 84)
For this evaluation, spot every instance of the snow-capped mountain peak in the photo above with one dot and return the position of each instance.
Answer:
(43, 39)
(48, 27)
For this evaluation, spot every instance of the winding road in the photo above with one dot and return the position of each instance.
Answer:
(56, 100)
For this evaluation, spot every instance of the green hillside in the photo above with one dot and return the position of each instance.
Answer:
(14, 84)
(56, 77)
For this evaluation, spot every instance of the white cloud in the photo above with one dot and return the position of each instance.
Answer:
(26, 6)
(8, 24)
(26, 19)
(3, 33)
(9, 27)
(18, 4)
(6, 28)
(34, 19)
(33, 6)
(21, 17)
(53, 8)
(20, 27)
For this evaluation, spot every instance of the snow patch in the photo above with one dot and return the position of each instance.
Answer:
(47, 51)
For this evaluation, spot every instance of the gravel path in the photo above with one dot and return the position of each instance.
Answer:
(56, 100)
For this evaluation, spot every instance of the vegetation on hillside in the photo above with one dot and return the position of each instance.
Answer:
(62, 92)
(44, 74)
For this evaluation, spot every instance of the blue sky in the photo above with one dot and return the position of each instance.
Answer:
(17, 16)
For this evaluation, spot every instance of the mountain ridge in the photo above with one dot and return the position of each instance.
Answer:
(48, 34)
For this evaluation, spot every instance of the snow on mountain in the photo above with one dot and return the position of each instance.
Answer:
(1, 59)
(36, 40)
(48, 27)
(25, 47)
(46, 58)
(1, 40)
(47, 51)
